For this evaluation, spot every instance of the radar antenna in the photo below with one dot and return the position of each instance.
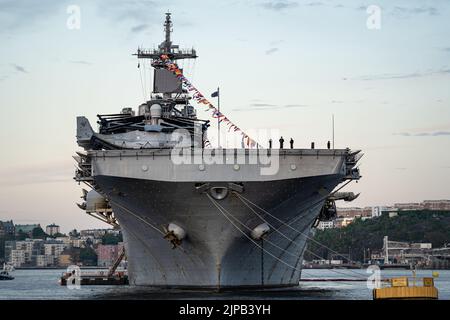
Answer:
(166, 47)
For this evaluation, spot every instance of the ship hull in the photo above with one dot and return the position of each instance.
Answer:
(217, 252)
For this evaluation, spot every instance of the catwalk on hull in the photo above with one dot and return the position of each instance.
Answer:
(195, 217)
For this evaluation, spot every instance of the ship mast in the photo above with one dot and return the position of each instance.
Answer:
(166, 47)
(168, 30)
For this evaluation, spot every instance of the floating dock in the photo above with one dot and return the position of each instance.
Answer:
(110, 278)
(401, 290)
(96, 280)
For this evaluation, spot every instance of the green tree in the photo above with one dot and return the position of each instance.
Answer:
(88, 256)
(409, 226)
(38, 233)
(20, 235)
(109, 238)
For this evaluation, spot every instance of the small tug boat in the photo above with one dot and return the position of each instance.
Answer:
(4, 274)
(400, 289)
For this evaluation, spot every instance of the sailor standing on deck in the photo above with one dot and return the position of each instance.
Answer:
(281, 142)
(292, 143)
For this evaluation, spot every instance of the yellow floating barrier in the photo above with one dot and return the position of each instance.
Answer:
(400, 289)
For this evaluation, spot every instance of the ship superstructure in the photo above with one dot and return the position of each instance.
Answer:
(196, 217)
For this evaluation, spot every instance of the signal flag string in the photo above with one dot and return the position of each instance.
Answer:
(200, 98)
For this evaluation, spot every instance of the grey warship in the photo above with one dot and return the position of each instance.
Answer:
(211, 218)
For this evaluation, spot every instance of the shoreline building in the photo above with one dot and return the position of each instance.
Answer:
(107, 254)
(26, 228)
(52, 229)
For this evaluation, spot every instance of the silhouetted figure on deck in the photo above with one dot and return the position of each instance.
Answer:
(292, 143)
(281, 142)
(328, 145)
(270, 143)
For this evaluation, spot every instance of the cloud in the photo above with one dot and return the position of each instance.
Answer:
(314, 4)
(446, 49)
(279, 5)
(19, 68)
(404, 11)
(271, 50)
(136, 11)
(276, 42)
(423, 134)
(15, 15)
(387, 76)
(139, 28)
(87, 63)
(268, 106)
(262, 105)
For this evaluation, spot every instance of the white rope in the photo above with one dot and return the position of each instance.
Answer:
(322, 199)
(296, 230)
(332, 270)
(138, 217)
(248, 237)
(287, 225)
(220, 208)
(249, 229)
(270, 225)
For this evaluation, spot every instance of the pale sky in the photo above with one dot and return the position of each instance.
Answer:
(285, 65)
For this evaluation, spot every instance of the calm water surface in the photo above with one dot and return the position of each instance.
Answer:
(43, 284)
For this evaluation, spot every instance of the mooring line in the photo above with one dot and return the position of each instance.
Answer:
(249, 238)
(294, 229)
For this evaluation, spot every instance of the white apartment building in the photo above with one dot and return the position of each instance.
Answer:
(17, 258)
(325, 225)
(45, 261)
(54, 249)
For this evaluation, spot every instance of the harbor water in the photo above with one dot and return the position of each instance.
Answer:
(43, 284)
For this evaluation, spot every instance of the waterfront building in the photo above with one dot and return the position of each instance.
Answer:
(52, 229)
(412, 206)
(26, 228)
(436, 205)
(66, 240)
(17, 258)
(64, 260)
(354, 212)
(44, 261)
(342, 222)
(54, 248)
(325, 225)
(95, 233)
(77, 243)
(8, 227)
(107, 254)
